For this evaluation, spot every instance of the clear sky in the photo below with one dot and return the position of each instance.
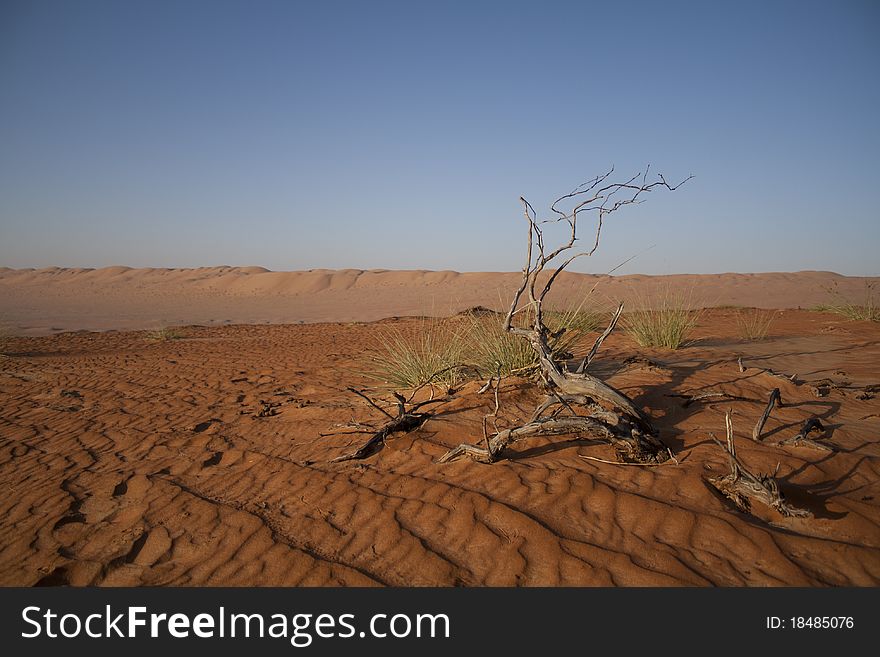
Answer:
(399, 135)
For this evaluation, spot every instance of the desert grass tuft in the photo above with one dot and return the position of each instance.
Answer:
(667, 324)
(165, 334)
(432, 352)
(754, 324)
(571, 327)
(868, 310)
(492, 351)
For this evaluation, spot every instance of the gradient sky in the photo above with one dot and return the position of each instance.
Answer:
(399, 135)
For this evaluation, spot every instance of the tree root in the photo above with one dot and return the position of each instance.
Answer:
(741, 486)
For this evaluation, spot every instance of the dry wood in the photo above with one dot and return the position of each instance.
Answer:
(741, 486)
(612, 415)
(586, 361)
(406, 420)
(791, 378)
(636, 449)
(703, 396)
(636, 465)
(775, 397)
(802, 439)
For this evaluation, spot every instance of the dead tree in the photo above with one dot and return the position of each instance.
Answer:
(592, 406)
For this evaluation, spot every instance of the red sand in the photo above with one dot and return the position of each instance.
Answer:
(126, 461)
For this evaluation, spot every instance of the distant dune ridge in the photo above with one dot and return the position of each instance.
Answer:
(43, 301)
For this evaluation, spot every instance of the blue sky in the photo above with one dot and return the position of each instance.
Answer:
(399, 135)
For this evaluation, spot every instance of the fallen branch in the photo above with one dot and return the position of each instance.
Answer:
(636, 465)
(634, 447)
(801, 439)
(406, 420)
(791, 378)
(717, 396)
(740, 486)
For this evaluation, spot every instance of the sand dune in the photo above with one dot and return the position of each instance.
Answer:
(203, 461)
(38, 302)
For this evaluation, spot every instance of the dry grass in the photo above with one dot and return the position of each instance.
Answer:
(450, 351)
(578, 323)
(666, 324)
(432, 353)
(868, 310)
(754, 324)
(491, 350)
(165, 334)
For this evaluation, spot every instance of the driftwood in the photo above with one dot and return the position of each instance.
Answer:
(608, 413)
(741, 487)
(631, 447)
(775, 397)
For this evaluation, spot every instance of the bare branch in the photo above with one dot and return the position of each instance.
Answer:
(371, 402)
(405, 421)
(589, 358)
(759, 427)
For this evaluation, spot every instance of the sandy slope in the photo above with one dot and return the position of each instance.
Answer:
(38, 302)
(128, 462)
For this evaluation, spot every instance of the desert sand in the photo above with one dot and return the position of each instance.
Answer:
(45, 301)
(206, 460)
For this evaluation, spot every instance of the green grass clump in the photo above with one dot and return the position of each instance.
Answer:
(754, 324)
(868, 310)
(165, 334)
(667, 326)
(430, 353)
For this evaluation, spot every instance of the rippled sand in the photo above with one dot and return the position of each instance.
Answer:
(200, 461)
